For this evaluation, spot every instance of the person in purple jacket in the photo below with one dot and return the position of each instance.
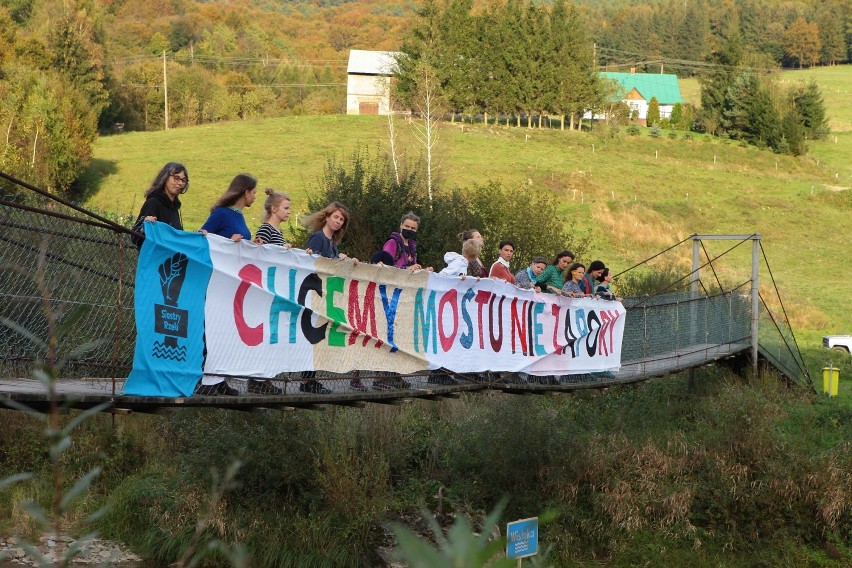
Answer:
(402, 245)
(226, 216)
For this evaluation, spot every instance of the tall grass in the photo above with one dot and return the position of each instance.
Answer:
(732, 472)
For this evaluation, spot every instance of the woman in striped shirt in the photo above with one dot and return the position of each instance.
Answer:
(276, 211)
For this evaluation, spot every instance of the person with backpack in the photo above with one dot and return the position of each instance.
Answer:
(402, 245)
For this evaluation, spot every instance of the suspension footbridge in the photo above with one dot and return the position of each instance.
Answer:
(68, 274)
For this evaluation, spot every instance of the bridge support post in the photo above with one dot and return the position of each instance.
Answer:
(755, 301)
(693, 277)
(693, 293)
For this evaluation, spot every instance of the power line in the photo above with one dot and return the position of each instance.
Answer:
(235, 61)
(252, 86)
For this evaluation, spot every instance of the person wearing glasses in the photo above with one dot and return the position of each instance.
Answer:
(162, 201)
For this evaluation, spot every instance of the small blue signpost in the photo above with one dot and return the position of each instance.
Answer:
(522, 538)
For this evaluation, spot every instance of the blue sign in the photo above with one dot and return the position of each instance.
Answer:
(522, 538)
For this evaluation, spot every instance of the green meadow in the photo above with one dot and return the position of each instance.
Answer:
(633, 195)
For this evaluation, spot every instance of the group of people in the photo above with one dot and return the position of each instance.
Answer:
(539, 275)
(327, 228)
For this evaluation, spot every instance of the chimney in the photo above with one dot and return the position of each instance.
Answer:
(632, 70)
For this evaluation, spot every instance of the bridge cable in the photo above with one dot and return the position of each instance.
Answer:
(80, 209)
(660, 291)
(716, 276)
(784, 310)
(653, 257)
(781, 333)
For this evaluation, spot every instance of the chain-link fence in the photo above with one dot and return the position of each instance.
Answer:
(63, 275)
(778, 346)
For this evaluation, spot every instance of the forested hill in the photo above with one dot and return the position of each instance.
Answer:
(71, 69)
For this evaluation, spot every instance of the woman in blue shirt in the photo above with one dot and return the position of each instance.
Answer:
(226, 216)
(226, 220)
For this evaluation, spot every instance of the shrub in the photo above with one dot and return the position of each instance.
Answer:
(655, 131)
(649, 279)
(368, 186)
(634, 130)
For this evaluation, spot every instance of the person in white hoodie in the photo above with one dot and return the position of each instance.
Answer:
(459, 264)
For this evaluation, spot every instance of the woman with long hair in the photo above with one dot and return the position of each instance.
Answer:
(162, 201)
(572, 286)
(226, 216)
(327, 227)
(552, 280)
(226, 220)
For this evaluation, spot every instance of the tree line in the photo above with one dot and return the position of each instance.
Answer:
(514, 58)
(69, 70)
(681, 34)
(520, 58)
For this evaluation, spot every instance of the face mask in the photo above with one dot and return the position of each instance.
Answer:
(409, 234)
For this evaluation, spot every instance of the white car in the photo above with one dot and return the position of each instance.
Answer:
(841, 342)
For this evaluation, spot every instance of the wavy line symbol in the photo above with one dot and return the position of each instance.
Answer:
(164, 351)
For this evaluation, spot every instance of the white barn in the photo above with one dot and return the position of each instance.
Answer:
(369, 75)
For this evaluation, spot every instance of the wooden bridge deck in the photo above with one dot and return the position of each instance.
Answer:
(87, 393)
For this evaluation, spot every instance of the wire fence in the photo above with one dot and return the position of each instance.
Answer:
(55, 259)
(56, 264)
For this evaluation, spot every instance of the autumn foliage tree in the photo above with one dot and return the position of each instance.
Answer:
(802, 43)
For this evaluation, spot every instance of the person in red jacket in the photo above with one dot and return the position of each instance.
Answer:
(500, 269)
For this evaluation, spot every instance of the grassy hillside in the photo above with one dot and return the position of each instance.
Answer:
(635, 195)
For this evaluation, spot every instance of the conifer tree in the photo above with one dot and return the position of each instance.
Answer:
(716, 83)
(653, 116)
(808, 102)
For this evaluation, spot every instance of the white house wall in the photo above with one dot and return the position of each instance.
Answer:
(367, 89)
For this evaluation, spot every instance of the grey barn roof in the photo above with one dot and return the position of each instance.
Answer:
(362, 62)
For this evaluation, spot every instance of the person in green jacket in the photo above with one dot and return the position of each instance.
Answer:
(552, 280)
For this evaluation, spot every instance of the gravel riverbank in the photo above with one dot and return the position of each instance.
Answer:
(93, 552)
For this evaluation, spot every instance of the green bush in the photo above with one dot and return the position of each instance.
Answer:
(655, 131)
(634, 130)
(367, 185)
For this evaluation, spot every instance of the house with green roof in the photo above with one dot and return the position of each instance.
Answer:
(637, 90)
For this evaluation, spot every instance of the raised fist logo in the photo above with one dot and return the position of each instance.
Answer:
(172, 275)
(169, 320)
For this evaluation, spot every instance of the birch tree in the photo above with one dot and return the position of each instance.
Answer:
(428, 106)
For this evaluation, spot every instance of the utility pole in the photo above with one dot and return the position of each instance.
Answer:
(165, 91)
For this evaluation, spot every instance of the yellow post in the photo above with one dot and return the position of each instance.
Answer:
(830, 380)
